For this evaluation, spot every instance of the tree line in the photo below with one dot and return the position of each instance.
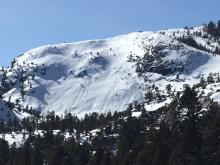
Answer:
(179, 133)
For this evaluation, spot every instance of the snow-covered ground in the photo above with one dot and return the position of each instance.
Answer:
(97, 76)
(18, 138)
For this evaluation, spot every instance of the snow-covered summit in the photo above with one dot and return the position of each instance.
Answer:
(107, 75)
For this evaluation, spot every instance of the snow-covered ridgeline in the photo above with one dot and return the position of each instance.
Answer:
(101, 75)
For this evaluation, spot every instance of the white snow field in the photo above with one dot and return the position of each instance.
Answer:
(97, 76)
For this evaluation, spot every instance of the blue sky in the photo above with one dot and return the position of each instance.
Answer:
(26, 24)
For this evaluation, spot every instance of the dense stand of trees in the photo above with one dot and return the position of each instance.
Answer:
(213, 29)
(189, 40)
(189, 136)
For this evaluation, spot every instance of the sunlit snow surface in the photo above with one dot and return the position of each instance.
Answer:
(97, 76)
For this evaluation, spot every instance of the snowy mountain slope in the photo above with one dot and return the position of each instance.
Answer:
(107, 75)
(81, 77)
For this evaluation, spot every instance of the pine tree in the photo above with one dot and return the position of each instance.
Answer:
(4, 152)
(4, 83)
(149, 96)
(210, 79)
(168, 88)
(202, 82)
(211, 28)
(191, 137)
(218, 27)
(189, 100)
